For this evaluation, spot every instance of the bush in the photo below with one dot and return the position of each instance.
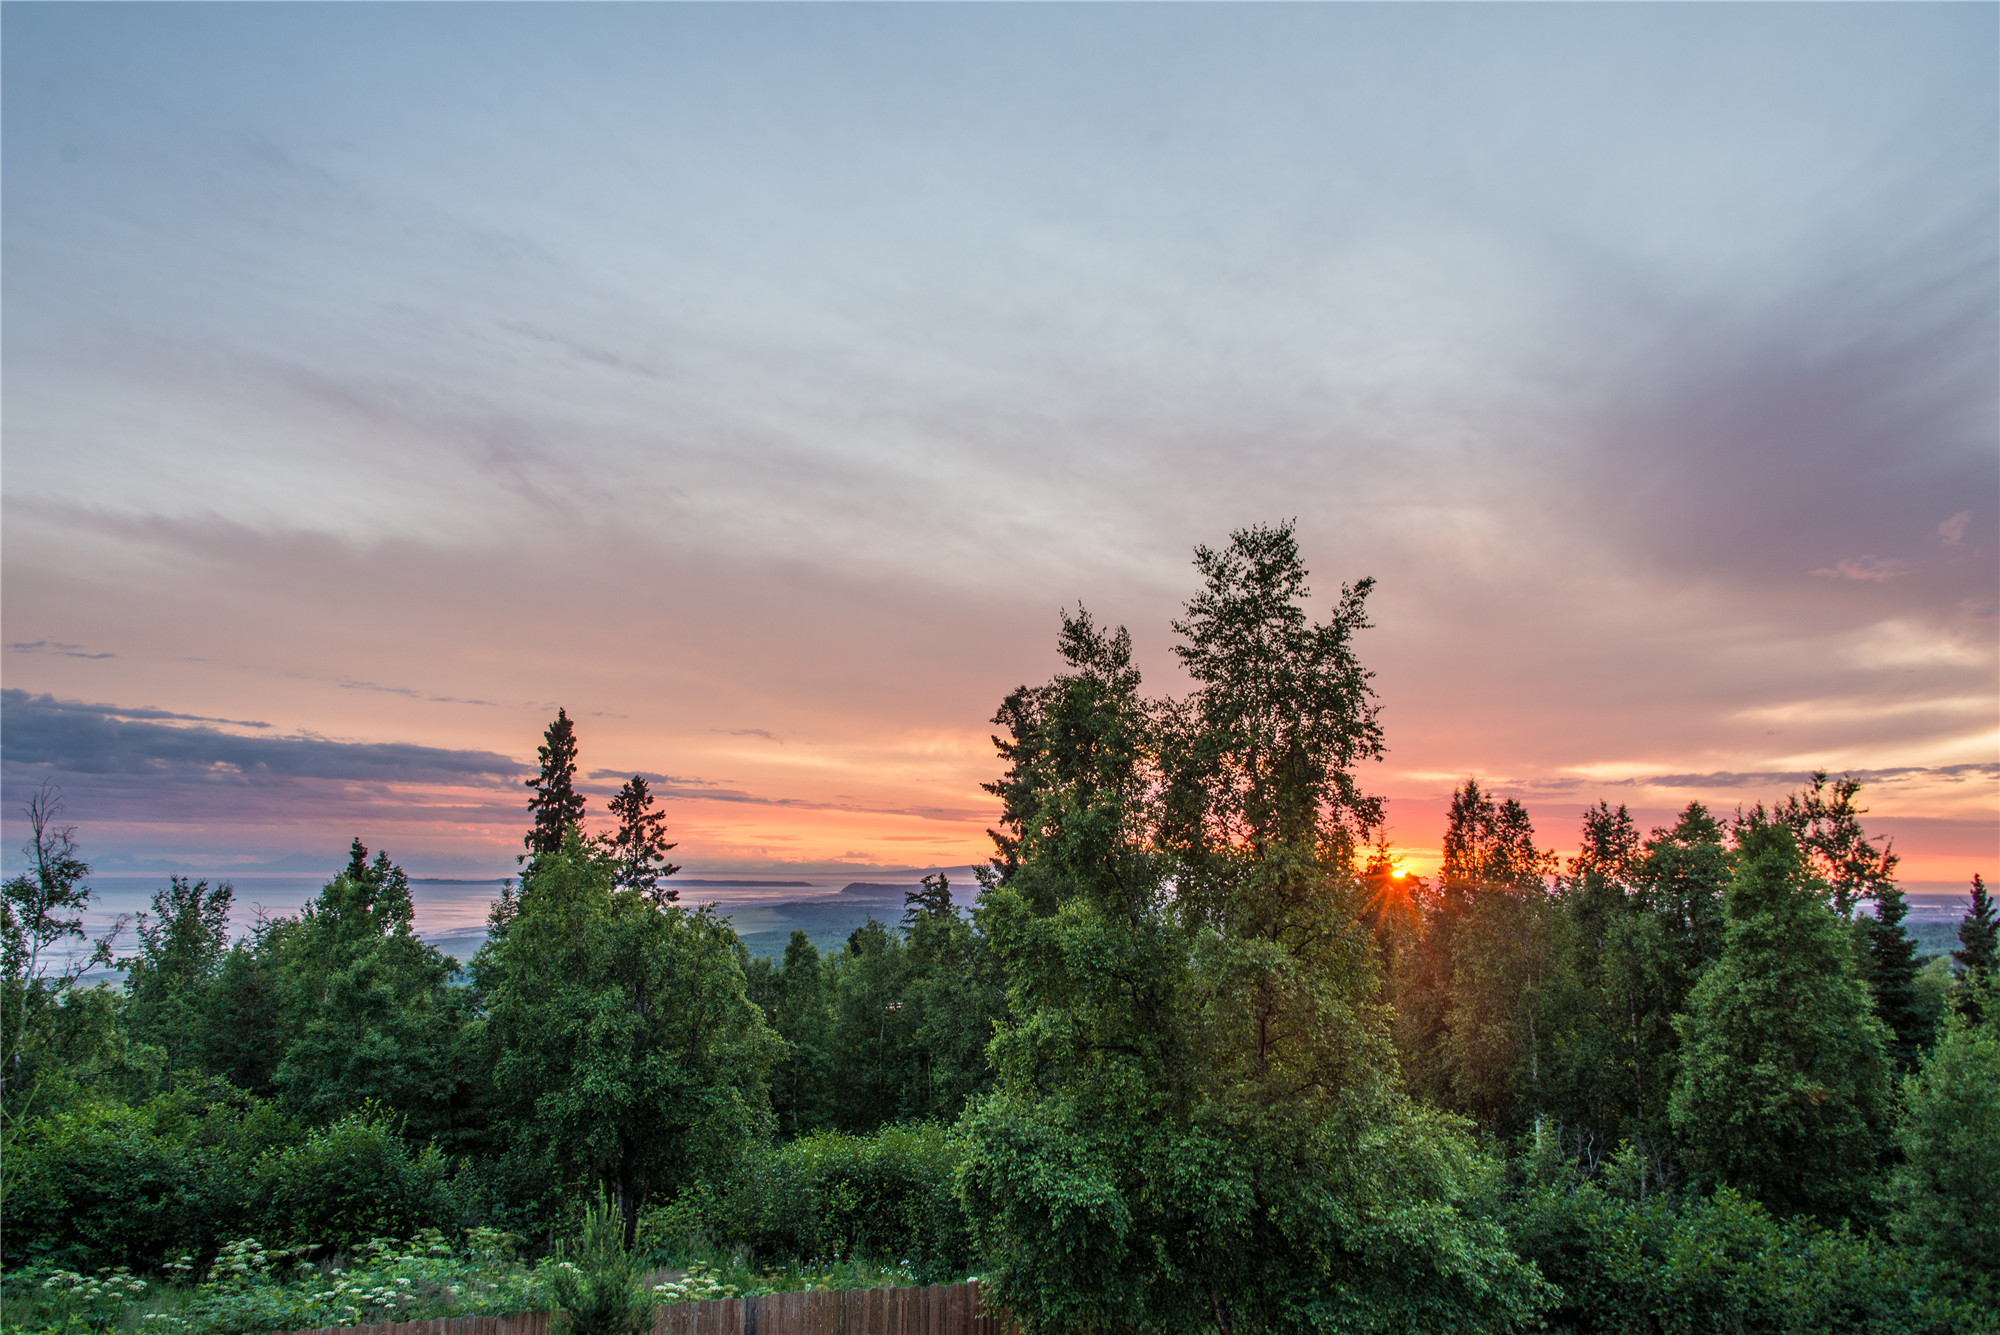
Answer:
(118, 1185)
(888, 1196)
(349, 1182)
(1677, 1266)
(121, 1185)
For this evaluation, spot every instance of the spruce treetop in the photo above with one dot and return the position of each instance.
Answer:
(639, 845)
(556, 805)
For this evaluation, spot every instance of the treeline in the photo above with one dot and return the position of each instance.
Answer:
(1199, 1059)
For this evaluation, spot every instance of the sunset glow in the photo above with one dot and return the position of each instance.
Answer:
(758, 383)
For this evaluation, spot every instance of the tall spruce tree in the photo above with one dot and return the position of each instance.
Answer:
(555, 804)
(1783, 1088)
(639, 845)
(1978, 946)
(1978, 933)
(1892, 976)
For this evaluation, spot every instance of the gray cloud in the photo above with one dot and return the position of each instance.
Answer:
(704, 790)
(74, 737)
(46, 647)
(413, 694)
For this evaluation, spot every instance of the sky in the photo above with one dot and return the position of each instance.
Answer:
(759, 383)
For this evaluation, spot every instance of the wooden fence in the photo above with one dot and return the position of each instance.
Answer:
(941, 1309)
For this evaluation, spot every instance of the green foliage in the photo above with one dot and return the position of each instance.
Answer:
(793, 997)
(41, 917)
(1945, 1194)
(1892, 976)
(1979, 940)
(1151, 1082)
(1264, 749)
(1826, 823)
(90, 1302)
(1195, 1122)
(350, 1181)
(251, 1288)
(1471, 996)
(117, 1184)
(181, 949)
(594, 1284)
(1658, 1264)
(890, 1196)
(623, 1048)
(892, 1028)
(243, 1016)
(368, 1013)
(1783, 1088)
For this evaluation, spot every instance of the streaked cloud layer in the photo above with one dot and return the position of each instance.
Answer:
(757, 382)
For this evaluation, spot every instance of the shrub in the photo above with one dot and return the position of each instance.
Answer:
(349, 1182)
(888, 1196)
(1677, 1266)
(116, 1186)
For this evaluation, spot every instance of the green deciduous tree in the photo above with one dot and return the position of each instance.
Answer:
(1783, 1087)
(1503, 956)
(244, 1014)
(1827, 824)
(369, 1013)
(43, 952)
(1195, 1122)
(624, 1049)
(182, 946)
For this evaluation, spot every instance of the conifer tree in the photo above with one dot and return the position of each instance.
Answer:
(1978, 933)
(556, 805)
(932, 901)
(1892, 976)
(1783, 1088)
(1978, 937)
(639, 845)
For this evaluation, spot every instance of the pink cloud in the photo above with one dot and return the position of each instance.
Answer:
(1952, 530)
(1875, 568)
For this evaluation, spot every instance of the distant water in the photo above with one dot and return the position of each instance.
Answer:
(451, 912)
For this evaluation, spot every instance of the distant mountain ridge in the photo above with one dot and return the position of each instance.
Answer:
(878, 890)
